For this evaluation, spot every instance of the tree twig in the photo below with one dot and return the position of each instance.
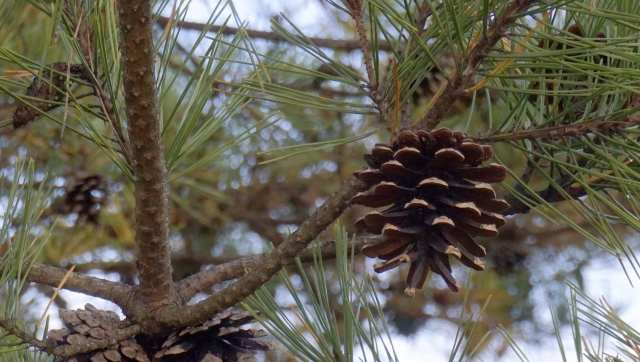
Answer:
(355, 8)
(85, 40)
(576, 130)
(338, 44)
(550, 195)
(463, 77)
(24, 336)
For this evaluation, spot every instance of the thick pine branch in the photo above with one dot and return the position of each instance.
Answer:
(121, 294)
(141, 97)
(115, 292)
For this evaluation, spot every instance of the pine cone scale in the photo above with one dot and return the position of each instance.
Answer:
(391, 190)
(492, 173)
(392, 263)
(396, 172)
(384, 248)
(411, 158)
(418, 273)
(446, 159)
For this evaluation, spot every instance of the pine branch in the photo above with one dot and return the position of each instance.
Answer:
(267, 264)
(337, 44)
(462, 79)
(551, 194)
(575, 130)
(151, 195)
(24, 336)
(194, 284)
(356, 12)
(115, 292)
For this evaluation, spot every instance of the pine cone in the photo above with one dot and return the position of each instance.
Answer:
(215, 340)
(437, 206)
(90, 325)
(44, 87)
(85, 195)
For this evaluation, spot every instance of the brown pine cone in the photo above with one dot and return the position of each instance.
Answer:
(440, 199)
(44, 87)
(91, 325)
(85, 195)
(216, 340)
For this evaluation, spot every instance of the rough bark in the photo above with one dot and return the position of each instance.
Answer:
(112, 291)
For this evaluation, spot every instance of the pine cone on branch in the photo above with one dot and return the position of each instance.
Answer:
(90, 325)
(217, 340)
(44, 89)
(440, 200)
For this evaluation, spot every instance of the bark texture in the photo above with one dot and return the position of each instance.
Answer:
(152, 225)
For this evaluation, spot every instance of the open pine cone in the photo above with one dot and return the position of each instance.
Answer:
(92, 324)
(440, 199)
(216, 340)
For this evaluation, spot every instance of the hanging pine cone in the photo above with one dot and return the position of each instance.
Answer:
(90, 325)
(45, 87)
(85, 195)
(216, 340)
(439, 200)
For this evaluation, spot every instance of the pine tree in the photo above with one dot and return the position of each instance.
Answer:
(199, 160)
